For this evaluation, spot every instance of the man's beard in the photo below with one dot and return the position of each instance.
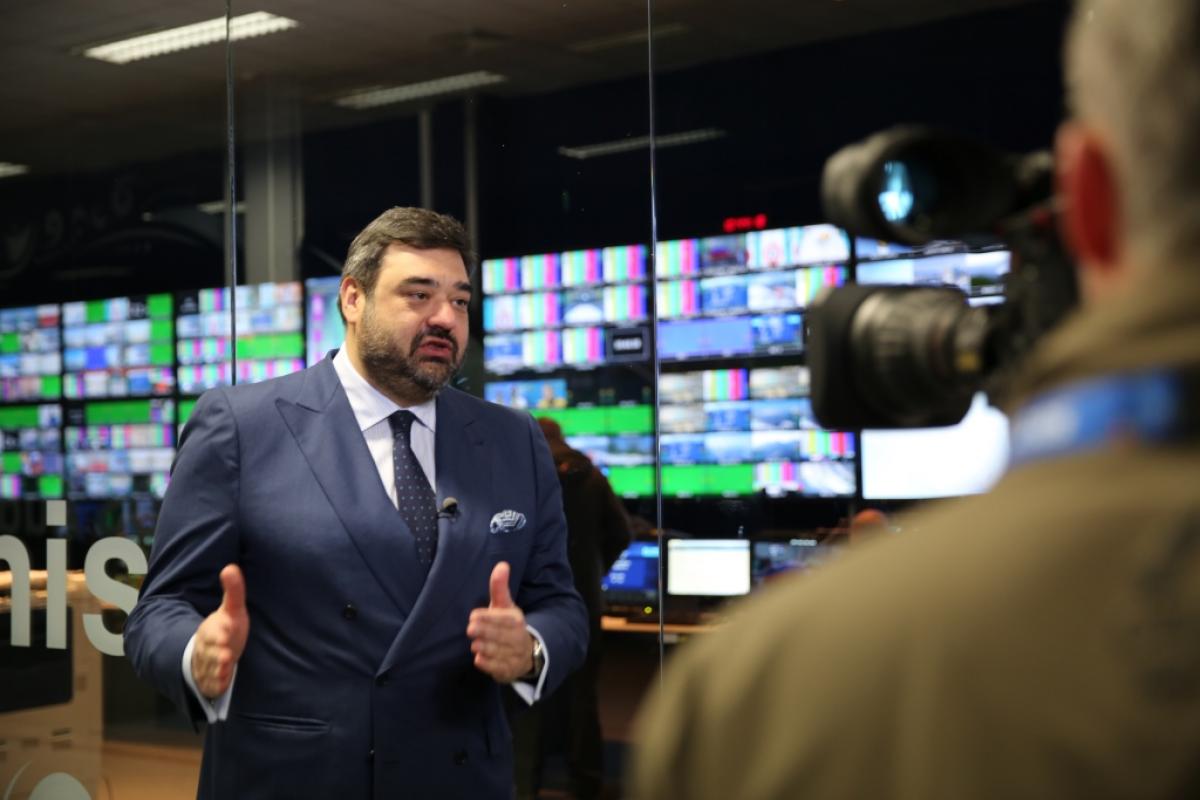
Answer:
(400, 371)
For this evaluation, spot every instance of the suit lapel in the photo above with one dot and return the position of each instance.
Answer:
(463, 472)
(324, 426)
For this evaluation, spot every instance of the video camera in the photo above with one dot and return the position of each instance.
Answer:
(914, 356)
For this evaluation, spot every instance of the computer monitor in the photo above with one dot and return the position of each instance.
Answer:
(632, 583)
(708, 567)
(776, 558)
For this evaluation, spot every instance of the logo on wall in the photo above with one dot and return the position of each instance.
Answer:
(55, 786)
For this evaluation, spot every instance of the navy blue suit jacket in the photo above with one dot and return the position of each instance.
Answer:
(357, 679)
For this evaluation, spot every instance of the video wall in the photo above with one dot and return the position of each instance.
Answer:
(93, 393)
(564, 309)
(735, 418)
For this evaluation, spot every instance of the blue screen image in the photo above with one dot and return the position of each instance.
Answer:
(778, 332)
(706, 337)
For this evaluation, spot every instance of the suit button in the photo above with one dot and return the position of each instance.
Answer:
(349, 612)
(371, 754)
(460, 758)
(382, 680)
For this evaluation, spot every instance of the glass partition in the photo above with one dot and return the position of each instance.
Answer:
(111, 204)
(176, 209)
(748, 107)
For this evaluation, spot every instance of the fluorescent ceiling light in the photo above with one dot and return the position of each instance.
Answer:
(625, 39)
(387, 95)
(7, 170)
(218, 207)
(586, 151)
(244, 26)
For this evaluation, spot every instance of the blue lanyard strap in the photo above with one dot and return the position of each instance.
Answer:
(1153, 407)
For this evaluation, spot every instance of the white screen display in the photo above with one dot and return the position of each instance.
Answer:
(966, 458)
(708, 567)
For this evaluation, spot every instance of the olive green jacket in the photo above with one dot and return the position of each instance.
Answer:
(1040, 641)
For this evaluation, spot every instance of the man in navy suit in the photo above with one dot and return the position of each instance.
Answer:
(352, 561)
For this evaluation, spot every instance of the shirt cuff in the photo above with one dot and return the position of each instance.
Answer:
(217, 709)
(527, 691)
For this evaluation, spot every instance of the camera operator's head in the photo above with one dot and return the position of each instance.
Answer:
(1128, 167)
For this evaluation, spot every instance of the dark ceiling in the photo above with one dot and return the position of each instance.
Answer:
(66, 113)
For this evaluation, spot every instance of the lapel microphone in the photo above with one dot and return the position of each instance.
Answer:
(449, 508)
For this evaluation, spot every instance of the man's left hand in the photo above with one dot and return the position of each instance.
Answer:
(502, 646)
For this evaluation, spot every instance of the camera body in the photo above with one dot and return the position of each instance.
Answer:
(907, 356)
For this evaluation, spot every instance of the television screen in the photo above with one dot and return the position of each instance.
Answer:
(582, 267)
(682, 419)
(978, 275)
(718, 253)
(681, 387)
(778, 333)
(768, 383)
(31, 461)
(120, 347)
(967, 458)
(680, 257)
(772, 291)
(723, 336)
(683, 448)
(521, 311)
(583, 307)
(323, 321)
(708, 567)
(625, 264)
(625, 303)
(775, 559)
(678, 299)
(532, 394)
(724, 294)
(807, 478)
(30, 357)
(729, 447)
(781, 415)
(726, 416)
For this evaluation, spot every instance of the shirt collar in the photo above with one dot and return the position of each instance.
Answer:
(370, 406)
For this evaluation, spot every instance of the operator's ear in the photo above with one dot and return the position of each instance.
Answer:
(352, 298)
(1087, 185)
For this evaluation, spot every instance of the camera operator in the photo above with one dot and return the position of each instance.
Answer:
(1041, 641)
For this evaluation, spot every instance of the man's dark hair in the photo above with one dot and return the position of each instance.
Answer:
(416, 227)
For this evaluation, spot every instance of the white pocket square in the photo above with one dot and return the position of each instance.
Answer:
(507, 520)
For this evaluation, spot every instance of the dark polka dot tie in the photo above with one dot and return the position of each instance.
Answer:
(414, 494)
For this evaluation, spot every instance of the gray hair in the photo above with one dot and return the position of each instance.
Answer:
(415, 227)
(1133, 71)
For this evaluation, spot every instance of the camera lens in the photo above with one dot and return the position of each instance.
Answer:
(915, 354)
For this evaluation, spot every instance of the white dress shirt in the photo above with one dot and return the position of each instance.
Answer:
(371, 410)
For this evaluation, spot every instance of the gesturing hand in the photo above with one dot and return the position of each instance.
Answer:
(502, 646)
(221, 637)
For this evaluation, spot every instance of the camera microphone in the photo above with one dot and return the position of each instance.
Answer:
(449, 508)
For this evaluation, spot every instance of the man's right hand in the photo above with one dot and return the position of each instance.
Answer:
(221, 638)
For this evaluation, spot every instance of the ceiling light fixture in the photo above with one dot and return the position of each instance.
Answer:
(625, 39)
(586, 151)
(388, 95)
(212, 31)
(7, 170)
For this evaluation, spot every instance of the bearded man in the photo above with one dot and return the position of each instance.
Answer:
(353, 561)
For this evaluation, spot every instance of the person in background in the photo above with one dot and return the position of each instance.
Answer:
(866, 525)
(597, 533)
(1042, 640)
(354, 563)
